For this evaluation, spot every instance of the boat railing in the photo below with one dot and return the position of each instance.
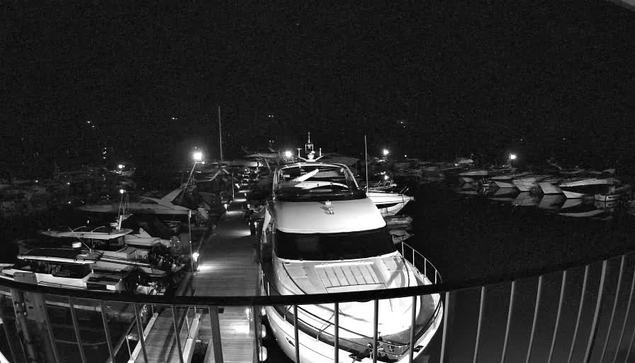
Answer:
(575, 312)
(422, 264)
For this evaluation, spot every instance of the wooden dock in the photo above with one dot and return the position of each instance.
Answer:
(226, 267)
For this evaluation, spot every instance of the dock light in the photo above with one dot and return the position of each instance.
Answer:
(121, 191)
(195, 256)
(386, 177)
(119, 166)
(225, 205)
(386, 152)
(198, 156)
(288, 154)
(512, 156)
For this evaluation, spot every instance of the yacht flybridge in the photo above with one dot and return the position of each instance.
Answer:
(322, 234)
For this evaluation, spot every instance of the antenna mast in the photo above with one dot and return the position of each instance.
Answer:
(220, 136)
(366, 161)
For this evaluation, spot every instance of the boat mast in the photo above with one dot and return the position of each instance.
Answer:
(220, 136)
(366, 161)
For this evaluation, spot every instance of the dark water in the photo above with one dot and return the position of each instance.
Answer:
(473, 236)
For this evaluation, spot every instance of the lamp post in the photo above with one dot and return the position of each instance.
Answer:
(197, 156)
(512, 157)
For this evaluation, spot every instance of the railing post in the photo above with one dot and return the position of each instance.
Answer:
(104, 320)
(140, 332)
(628, 308)
(478, 325)
(217, 343)
(512, 292)
(336, 346)
(177, 334)
(445, 326)
(413, 325)
(296, 334)
(375, 328)
(617, 294)
(596, 314)
(560, 301)
(577, 322)
(535, 319)
(76, 328)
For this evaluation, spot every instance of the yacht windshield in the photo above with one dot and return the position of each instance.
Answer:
(317, 181)
(333, 246)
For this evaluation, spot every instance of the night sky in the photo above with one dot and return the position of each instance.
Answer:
(432, 79)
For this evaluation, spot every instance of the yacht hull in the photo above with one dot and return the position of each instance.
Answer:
(314, 350)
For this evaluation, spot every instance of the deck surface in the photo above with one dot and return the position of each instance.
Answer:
(227, 266)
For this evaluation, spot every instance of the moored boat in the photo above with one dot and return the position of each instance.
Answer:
(319, 226)
(389, 203)
(75, 269)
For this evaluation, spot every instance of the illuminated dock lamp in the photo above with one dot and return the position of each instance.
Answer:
(120, 166)
(512, 157)
(198, 157)
(385, 152)
(288, 154)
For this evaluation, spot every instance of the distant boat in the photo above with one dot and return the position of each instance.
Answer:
(580, 187)
(74, 269)
(100, 232)
(116, 254)
(505, 180)
(145, 205)
(550, 186)
(588, 209)
(528, 182)
(389, 203)
(470, 176)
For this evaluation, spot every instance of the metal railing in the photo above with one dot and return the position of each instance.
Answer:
(579, 312)
(421, 263)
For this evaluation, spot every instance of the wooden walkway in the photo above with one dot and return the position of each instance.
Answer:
(226, 266)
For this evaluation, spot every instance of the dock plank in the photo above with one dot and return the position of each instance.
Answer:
(228, 267)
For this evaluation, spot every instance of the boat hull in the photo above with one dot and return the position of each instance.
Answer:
(549, 188)
(504, 184)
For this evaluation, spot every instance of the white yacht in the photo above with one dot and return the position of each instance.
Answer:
(322, 234)
(145, 205)
(505, 180)
(550, 184)
(389, 203)
(528, 182)
(581, 187)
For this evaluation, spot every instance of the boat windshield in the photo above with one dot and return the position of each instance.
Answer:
(333, 246)
(317, 181)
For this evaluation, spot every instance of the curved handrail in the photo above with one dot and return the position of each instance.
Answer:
(324, 298)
